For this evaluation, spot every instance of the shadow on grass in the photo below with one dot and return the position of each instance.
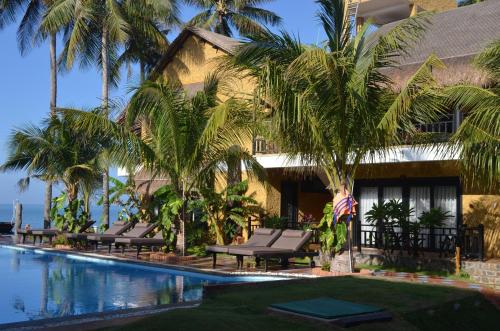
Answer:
(415, 306)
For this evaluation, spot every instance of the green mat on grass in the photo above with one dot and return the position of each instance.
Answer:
(326, 308)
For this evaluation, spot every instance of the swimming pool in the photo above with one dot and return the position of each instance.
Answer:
(37, 284)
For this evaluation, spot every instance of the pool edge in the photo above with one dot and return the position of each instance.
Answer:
(68, 321)
(212, 272)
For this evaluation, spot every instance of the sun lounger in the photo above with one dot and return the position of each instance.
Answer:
(156, 241)
(116, 228)
(138, 231)
(289, 244)
(50, 233)
(262, 237)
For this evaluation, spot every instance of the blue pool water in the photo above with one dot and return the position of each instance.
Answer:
(35, 284)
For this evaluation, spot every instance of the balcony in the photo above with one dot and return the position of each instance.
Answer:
(380, 11)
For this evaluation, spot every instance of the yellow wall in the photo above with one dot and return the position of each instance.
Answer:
(484, 209)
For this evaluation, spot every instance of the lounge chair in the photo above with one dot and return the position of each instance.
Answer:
(50, 233)
(156, 241)
(139, 231)
(262, 237)
(116, 228)
(288, 245)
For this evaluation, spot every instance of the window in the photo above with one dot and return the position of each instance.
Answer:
(419, 194)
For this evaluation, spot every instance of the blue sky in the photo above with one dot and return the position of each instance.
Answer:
(24, 85)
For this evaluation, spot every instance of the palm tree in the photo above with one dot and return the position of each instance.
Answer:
(30, 32)
(330, 106)
(50, 153)
(144, 47)
(188, 140)
(477, 139)
(227, 16)
(97, 29)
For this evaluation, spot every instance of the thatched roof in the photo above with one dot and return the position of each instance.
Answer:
(454, 36)
(224, 43)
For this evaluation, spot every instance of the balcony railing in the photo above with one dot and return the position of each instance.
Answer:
(440, 131)
(263, 146)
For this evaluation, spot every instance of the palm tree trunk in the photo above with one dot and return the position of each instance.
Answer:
(105, 101)
(142, 72)
(53, 102)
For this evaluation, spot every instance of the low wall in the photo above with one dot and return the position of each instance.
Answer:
(485, 273)
(427, 262)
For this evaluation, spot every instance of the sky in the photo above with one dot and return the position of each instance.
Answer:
(25, 85)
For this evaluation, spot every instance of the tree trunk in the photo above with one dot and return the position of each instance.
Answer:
(142, 71)
(47, 204)
(105, 105)
(53, 105)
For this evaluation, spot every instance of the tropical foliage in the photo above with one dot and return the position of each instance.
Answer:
(330, 106)
(227, 16)
(477, 140)
(68, 216)
(49, 152)
(226, 211)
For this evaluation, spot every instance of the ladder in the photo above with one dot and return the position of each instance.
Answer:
(352, 13)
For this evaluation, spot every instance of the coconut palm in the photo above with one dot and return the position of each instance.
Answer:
(190, 140)
(97, 29)
(331, 106)
(50, 152)
(144, 47)
(29, 33)
(477, 140)
(227, 16)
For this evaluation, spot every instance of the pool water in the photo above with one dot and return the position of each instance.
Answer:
(36, 284)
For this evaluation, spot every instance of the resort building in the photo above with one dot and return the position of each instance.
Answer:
(421, 179)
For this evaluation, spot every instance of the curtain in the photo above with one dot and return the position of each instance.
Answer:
(368, 197)
(420, 201)
(393, 192)
(445, 197)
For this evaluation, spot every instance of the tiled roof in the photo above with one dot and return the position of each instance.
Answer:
(223, 42)
(460, 32)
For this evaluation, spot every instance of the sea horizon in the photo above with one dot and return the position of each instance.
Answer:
(33, 213)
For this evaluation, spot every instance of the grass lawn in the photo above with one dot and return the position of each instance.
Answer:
(415, 307)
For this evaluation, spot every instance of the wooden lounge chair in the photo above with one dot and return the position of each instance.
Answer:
(116, 228)
(139, 231)
(289, 244)
(156, 241)
(262, 237)
(50, 233)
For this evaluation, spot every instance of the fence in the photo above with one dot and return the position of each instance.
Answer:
(441, 240)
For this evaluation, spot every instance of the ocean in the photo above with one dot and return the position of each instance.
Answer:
(33, 214)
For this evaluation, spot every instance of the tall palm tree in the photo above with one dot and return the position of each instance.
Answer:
(144, 47)
(49, 152)
(97, 29)
(188, 140)
(227, 16)
(331, 106)
(29, 33)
